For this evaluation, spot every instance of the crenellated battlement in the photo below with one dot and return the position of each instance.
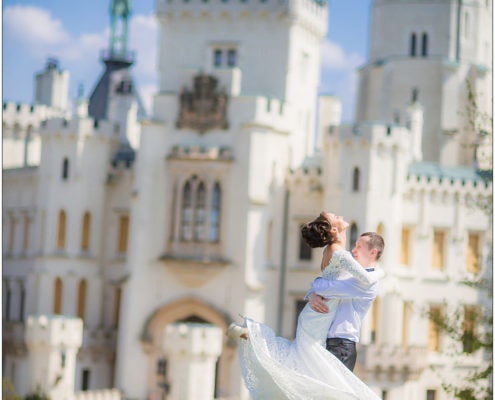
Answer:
(310, 12)
(375, 134)
(264, 111)
(27, 116)
(203, 8)
(435, 178)
(79, 127)
(193, 339)
(308, 175)
(53, 331)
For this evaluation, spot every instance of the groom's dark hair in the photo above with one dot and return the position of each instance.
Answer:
(375, 242)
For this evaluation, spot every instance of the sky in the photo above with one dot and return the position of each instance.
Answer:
(75, 33)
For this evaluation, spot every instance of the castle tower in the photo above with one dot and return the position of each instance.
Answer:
(53, 342)
(235, 109)
(51, 86)
(426, 51)
(194, 350)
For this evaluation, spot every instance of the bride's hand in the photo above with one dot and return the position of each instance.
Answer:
(342, 224)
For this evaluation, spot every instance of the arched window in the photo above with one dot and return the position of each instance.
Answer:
(214, 233)
(380, 229)
(81, 299)
(200, 213)
(412, 45)
(123, 233)
(354, 235)
(86, 229)
(65, 169)
(62, 220)
(57, 296)
(355, 179)
(375, 315)
(186, 212)
(424, 44)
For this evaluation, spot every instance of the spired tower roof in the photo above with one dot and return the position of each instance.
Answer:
(117, 58)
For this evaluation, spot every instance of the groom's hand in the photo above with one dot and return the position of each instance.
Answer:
(317, 303)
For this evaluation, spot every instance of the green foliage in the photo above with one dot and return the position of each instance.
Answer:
(472, 329)
(8, 391)
(37, 395)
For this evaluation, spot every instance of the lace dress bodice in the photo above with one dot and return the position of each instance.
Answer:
(343, 263)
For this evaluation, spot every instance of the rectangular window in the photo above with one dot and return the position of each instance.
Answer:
(23, 302)
(217, 57)
(85, 380)
(473, 255)
(435, 316)
(123, 233)
(374, 320)
(232, 57)
(62, 217)
(300, 304)
(405, 246)
(305, 252)
(438, 256)
(431, 394)
(469, 328)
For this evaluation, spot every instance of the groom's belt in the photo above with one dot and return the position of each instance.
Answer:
(338, 341)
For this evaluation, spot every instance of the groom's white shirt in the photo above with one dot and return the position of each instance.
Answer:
(355, 302)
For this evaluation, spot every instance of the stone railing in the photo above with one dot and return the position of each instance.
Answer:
(391, 363)
(104, 394)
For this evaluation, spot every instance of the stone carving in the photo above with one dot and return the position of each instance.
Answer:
(203, 108)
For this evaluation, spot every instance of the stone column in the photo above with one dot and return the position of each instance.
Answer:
(192, 350)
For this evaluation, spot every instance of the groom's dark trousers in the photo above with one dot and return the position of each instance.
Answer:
(344, 350)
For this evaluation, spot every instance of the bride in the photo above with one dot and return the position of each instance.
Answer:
(275, 368)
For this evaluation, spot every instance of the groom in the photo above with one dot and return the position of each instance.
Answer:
(355, 300)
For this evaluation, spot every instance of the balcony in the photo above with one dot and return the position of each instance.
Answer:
(390, 363)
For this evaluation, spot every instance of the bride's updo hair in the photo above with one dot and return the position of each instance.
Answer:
(318, 233)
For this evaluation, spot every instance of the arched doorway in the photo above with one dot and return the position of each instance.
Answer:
(188, 309)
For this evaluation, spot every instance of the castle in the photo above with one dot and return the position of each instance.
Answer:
(130, 245)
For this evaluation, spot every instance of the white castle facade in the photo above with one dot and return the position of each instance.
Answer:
(121, 275)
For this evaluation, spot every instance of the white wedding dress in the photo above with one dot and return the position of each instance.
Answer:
(275, 368)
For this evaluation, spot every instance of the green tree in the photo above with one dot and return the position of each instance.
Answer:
(471, 328)
(38, 394)
(8, 391)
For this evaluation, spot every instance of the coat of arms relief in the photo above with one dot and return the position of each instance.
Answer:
(204, 107)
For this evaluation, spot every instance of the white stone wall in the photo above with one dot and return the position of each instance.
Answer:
(271, 116)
